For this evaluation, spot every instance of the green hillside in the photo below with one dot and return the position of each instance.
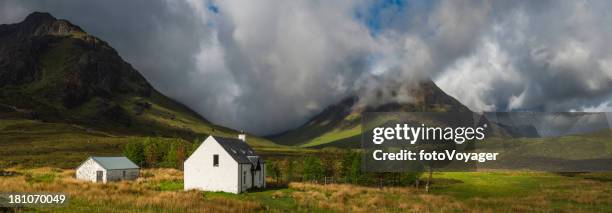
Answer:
(588, 151)
(339, 125)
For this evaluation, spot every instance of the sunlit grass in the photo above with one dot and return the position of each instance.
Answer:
(160, 190)
(334, 135)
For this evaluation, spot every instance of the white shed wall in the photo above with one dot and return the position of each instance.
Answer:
(87, 171)
(117, 175)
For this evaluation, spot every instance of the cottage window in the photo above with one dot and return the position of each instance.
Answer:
(123, 174)
(243, 177)
(215, 160)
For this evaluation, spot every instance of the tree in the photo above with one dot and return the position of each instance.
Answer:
(289, 170)
(171, 158)
(194, 145)
(152, 153)
(273, 168)
(346, 166)
(407, 178)
(355, 169)
(180, 156)
(313, 168)
(134, 151)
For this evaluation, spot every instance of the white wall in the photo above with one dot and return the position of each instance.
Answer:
(199, 172)
(87, 171)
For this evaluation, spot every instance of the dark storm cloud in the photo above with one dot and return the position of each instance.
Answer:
(266, 66)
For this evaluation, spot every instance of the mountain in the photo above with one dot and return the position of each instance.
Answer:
(339, 125)
(53, 71)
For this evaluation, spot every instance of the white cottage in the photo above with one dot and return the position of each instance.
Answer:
(104, 169)
(224, 164)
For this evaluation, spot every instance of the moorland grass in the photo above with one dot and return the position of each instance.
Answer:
(496, 191)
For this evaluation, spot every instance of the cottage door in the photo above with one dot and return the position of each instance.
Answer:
(98, 176)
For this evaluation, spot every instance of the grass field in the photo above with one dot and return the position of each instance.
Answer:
(33, 143)
(160, 190)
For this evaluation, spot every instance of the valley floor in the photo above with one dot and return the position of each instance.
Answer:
(31, 143)
(160, 190)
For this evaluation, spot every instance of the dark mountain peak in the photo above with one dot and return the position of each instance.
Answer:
(41, 24)
(59, 67)
(37, 17)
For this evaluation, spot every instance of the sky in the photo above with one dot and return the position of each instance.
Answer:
(267, 66)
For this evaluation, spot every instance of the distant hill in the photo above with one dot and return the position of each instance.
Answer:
(339, 125)
(53, 71)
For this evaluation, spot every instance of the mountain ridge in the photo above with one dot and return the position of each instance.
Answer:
(53, 71)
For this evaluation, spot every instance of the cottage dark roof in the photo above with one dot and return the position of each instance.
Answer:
(239, 150)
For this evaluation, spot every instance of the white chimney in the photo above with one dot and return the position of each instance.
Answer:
(242, 136)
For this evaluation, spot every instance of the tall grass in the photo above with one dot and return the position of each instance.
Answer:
(158, 190)
(351, 198)
(134, 195)
(475, 192)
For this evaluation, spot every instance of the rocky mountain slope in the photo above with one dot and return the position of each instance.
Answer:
(53, 71)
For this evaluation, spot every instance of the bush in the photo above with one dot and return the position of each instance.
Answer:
(313, 168)
(176, 155)
(157, 152)
(134, 151)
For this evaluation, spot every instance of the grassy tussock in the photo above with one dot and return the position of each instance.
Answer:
(467, 192)
(552, 193)
(139, 195)
(345, 197)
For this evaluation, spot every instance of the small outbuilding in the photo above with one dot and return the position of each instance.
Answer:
(105, 169)
(224, 164)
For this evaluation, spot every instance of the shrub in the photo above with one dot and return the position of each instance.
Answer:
(313, 168)
(134, 151)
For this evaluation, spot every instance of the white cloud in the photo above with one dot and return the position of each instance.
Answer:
(555, 55)
(470, 78)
